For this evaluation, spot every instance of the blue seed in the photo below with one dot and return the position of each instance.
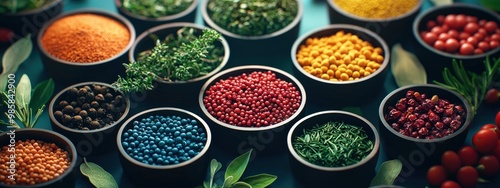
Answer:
(161, 144)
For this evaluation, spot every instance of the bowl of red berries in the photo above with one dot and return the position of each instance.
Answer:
(252, 107)
(422, 121)
(464, 32)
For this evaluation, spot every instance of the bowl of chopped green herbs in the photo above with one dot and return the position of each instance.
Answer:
(330, 147)
(255, 27)
(145, 14)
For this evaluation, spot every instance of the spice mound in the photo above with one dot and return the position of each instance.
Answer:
(35, 162)
(85, 38)
(376, 8)
(418, 116)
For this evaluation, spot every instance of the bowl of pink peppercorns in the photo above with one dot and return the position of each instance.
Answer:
(252, 107)
(419, 122)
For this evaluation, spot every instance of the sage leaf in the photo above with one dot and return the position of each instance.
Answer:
(237, 166)
(214, 167)
(14, 56)
(260, 180)
(23, 92)
(43, 92)
(241, 184)
(406, 68)
(227, 182)
(99, 177)
(389, 171)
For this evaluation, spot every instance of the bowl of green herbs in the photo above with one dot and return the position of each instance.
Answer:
(145, 14)
(330, 147)
(253, 26)
(169, 63)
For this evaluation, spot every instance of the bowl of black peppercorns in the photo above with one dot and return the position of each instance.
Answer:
(89, 114)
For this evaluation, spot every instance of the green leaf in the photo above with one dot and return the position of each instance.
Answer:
(238, 166)
(389, 171)
(406, 68)
(43, 92)
(14, 56)
(214, 167)
(99, 177)
(241, 184)
(227, 182)
(260, 180)
(23, 92)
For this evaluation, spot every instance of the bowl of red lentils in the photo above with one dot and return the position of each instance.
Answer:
(417, 123)
(85, 45)
(252, 107)
(339, 63)
(464, 32)
(35, 157)
(89, 114)
(165, 146)
(389, 19)
(330, 147)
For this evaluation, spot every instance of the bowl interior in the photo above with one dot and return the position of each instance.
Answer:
(337, 8)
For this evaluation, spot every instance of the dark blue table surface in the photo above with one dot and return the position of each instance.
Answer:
(315, 15)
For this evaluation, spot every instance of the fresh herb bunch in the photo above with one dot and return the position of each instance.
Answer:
(470, 85)
(252, 17)
(13, 6)
(156, 8)
(179, 57)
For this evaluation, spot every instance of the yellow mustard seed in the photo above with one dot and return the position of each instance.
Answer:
(376, 8)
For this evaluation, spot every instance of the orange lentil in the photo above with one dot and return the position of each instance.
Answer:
(33, 169)
(85, 38)
(376, 8)
(353, 59)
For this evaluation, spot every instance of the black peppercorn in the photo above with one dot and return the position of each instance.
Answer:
(85, 106)
(99, 97)
(89, 96)
(95, 124)
(101, 112)
(62, 104)
(92, 112)
(72, 92)
(94, 104)
(66, 118)
(77, 110)
(81, 100)
(58, 114)
(83, 113)
(82, 92)
(77, 118)
(87, 88)
(118, 99)
(109, 96)
(68, 109)
(73, 103)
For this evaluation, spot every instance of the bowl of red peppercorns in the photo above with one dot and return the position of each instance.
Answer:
(89, 114)
(464, 32)
(252, 106)
(165, 146)
(35, 157)
(419, 122)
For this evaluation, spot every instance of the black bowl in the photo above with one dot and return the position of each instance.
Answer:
(263, 140)
(91, 142)
(390, 29)
(68, 73)
(68, 177)
(342, 93)
(434, 60)
(313, 175)
(185, 174)
(142, 23)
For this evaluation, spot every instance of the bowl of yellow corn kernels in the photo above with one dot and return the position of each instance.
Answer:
(341, 63)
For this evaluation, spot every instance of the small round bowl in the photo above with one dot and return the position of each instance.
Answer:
(142, 23)
(258, 46)
(184, 174)
(68, 177)
(390, 29)
(435, 60)
(74, 72)
(313, 175)
(422, 152)
(30, 21)
(263, 140)
(89, 142)
(341, 93)
(167, 92)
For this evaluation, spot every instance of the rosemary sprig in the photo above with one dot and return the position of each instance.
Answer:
(470, 85)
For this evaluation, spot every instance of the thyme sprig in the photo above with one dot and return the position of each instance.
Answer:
(470, 85)
(179, 57)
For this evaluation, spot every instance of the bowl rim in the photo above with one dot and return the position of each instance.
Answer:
(338, 27)
(94, 11)
(44, 7)
(202, 153)
(149, 31)
(334, 6)
(63, 91)
(418, 21)
(250, 68)
(72, 152)
(208, 21)
(465, 125)
(192, 7)
(370, 156)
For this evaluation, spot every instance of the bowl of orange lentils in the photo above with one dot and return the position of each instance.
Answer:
(341, 64)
